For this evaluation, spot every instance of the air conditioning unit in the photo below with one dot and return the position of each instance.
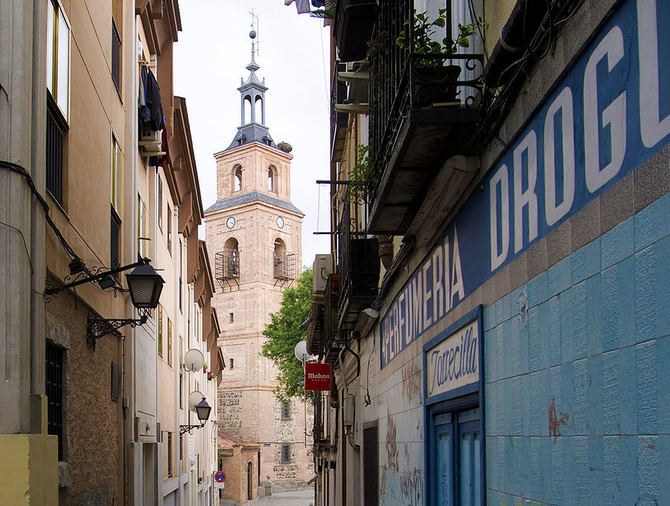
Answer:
(323, 265)
(151, 142)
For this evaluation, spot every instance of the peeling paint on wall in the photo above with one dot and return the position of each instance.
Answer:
(555, 421)
(391, 445)
(411, 486)
(411, 381)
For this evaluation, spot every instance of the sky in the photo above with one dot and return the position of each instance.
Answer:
(210, 58)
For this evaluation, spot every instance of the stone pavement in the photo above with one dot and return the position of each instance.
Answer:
(303, 497)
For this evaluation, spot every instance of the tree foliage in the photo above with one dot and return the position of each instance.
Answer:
(284, 332)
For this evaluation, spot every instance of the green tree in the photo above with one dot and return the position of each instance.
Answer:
(284, 332)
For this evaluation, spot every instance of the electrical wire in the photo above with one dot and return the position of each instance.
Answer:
(26, 175)
(25, 246)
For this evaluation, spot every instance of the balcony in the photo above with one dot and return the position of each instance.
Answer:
(284, 266)
(354, 20)
(358, 268)
(424, 110)
(227, 269)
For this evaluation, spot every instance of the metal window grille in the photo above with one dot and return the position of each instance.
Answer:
(115, 227)
(54, 391)
(56, 128)
(284, 265)
(285, 453)
(116, 56)
(169, 454)
(285, 411)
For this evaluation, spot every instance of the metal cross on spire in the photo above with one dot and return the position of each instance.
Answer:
(255, 44)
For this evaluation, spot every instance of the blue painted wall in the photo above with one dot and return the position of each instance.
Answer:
(578, 388)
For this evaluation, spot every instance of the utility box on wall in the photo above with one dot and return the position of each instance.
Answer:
(322, 266)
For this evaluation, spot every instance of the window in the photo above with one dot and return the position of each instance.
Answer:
(160, 330)
(181, 379)
(232, 317)
(237, 178)
(115, 190)
(271, 179)
(58, 58)
(169, 229)
(114, 236)
(169, 343)
(54, 392)
(116, 57)
(56, 128)
(181, 288)
(141, 227)
(58, 97)
(115, 199)
(169, 454)
(181, 447)
(285, 453)
(160, 202)
(285, 410)
(232, 364)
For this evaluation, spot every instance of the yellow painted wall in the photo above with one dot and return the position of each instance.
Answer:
(28, 469)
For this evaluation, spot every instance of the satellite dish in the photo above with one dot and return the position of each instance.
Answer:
(194, 398)
(194, 360)
(300, 351)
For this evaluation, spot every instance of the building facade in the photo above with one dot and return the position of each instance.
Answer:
(512, 348)
(98, 172)
(254, 240)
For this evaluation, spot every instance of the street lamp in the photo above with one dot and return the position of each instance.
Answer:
(144, 284)
(202, 409)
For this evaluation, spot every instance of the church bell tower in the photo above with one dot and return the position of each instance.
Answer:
(253, 234)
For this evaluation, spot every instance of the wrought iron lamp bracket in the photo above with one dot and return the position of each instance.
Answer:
(100, 327)
(183, 429)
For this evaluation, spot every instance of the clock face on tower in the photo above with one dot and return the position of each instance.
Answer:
(230, 222)
(280, 222)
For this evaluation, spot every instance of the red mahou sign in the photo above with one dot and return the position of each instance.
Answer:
(317, 376)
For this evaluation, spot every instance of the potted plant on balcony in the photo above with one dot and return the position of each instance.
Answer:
(431, 54)
(362, 177)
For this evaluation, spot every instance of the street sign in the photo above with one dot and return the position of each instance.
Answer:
(317, 376)
(219, 479)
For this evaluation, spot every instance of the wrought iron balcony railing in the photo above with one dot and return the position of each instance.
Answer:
(424, 109)
(358, 268)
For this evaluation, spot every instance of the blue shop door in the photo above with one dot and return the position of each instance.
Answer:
(444, 438)
(455, 459)
(470, 465)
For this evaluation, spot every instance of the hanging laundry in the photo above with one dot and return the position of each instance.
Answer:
(151, 112)
(301, 5)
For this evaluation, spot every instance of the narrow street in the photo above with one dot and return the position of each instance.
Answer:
(303, 497)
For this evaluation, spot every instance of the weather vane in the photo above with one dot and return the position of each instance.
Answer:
(254, 34)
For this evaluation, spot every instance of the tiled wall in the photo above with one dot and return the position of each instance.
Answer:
(577, 368)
